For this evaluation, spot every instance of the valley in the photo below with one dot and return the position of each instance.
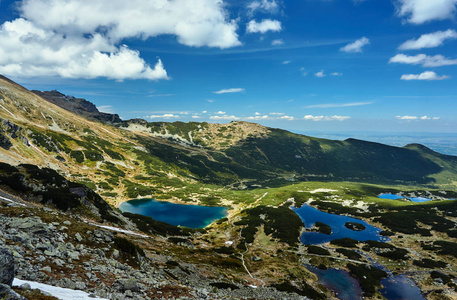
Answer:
(76, 169)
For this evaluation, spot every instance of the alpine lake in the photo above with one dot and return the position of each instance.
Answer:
(192, 216)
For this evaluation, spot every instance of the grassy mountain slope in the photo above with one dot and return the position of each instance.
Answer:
(137, 158)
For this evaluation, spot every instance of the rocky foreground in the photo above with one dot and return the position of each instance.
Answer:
(54, 248)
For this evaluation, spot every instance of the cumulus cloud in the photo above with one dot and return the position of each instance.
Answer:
(27, 50)
(193, 22)
(257, 118)
(164, 116)
(277, 43)
(424, 60)
(325, 118)
(286, 62)
(227, 91)
(277, 114)
(356, 47)
(83, 39)
(263, 6)
(427, 75)
(220, 112)
(336, 74)
(319, 74)
(421, 11)
(430, 40)
(224, 117)
(263, 27)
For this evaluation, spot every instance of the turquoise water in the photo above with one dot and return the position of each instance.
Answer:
(310, 215)
(413, 199)
(192, 216)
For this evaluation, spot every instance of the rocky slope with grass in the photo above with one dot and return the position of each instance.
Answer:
(127, 159)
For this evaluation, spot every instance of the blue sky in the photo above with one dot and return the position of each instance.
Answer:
(302, 65)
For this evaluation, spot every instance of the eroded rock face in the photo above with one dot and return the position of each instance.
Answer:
(6, 267)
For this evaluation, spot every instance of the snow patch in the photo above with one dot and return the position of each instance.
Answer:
(323, 191)
(61, 293)
(359, 204)
(118, 230)
(6, 199)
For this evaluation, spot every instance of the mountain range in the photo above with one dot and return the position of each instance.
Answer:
(124, 159)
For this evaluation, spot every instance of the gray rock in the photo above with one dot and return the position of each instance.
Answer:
(78, 237)
(25, 286)
(67, 283)
(123, 285)
(6, 293)
(6, 267)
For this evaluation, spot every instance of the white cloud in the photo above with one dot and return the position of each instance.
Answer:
(331, 105)
(257, 113)
(430, 40)
(264, 26)
(336, 74)
(83, 39)
(204, 112)
(232, 90)
(286, 62)
(427, 75)
(193, 22)
(412, 118)
(224, 117)
(106, 109)
(424, 60)
(277, 42)
(257, 118)
(325, 118)
(429, 118)
(164, 116)
(319, 74)
(276, 114)
(196, 117)
(356, 47)
(28, 51)
(264, 6)
(421, 11)
(408, 118)
(288, 118)
(220, 112)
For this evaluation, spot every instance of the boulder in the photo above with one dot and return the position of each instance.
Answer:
(6, 293)
(6, 267)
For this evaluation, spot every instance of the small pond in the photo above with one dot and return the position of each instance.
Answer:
(400, 287)
(340, 282)
(396, 197)
(412, 199)
(310, 215)
(192, 216)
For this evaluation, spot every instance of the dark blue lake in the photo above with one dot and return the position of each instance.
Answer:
(310, 215)
(340, 282)
(192, 216)
(400, 287)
